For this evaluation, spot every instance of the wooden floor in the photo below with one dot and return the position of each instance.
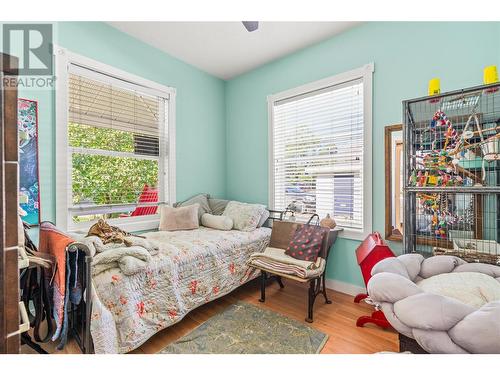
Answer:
(338, 320)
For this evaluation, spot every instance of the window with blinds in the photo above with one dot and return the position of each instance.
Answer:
(317, 153)
(117, 145)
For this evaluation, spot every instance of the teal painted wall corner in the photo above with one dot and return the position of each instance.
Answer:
(222, 126)
(406, 55)
(199, 132)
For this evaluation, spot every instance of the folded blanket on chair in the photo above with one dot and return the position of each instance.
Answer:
(275, 260)
(286, 269)
(278, 255)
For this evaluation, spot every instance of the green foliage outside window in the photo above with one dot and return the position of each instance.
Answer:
(100, 138)
(99, 179)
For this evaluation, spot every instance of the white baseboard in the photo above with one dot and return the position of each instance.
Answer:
(343, 287)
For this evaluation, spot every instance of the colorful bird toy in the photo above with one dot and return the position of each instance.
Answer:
(440, 119)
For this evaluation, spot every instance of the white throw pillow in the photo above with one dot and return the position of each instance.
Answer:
(245, 216)
(472, 288)
(180, 218)
(217, 222)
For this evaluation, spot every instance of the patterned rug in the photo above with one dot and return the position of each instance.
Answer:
(246, 329)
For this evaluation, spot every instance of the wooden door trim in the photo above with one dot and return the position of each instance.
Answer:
(9, 170)
(388, 130)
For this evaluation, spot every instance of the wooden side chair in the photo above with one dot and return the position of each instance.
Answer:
(276, 268)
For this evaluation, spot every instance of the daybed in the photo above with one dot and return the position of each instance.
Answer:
(191, 268)
(457, 314)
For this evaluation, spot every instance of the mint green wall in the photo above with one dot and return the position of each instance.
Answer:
(406, 56)
(222, 126)
(200, 110)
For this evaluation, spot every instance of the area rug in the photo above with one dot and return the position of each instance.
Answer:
(246, 329)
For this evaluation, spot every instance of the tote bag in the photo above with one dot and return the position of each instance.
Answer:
(307, 242)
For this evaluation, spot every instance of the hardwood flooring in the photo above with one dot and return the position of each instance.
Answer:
(338, 320)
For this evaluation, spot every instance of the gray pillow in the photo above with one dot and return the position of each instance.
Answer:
(202, 200)
(217, 205)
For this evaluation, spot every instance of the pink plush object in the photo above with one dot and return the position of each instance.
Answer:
(180, 218)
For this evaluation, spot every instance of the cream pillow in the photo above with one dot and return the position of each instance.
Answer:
(245, 216)
(472, 288)
(217, 222)
(180, 218)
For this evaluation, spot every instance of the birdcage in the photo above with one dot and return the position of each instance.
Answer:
(452, 174)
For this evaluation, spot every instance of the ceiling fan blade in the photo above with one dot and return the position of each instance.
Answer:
(251, 25)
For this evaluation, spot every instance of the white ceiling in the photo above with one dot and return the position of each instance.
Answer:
(226, 49)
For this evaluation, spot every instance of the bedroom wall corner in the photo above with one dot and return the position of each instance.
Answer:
(406, 55)
(200, 122)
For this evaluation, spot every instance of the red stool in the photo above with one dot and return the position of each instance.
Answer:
(371, 251)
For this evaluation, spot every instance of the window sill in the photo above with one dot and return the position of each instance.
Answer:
(351, 234)
(128, 224)
(346, 233)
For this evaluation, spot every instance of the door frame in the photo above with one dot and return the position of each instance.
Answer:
(9, 170)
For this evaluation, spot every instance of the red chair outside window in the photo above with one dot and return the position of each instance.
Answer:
(148, 195)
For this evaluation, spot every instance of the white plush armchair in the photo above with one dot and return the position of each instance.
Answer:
(438, 322)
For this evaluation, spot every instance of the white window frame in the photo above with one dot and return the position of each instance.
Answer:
(366, 74)
(63, 60)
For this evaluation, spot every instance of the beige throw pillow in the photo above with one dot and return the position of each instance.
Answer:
(180, 218)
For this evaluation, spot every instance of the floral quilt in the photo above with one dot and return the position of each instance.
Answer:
(192, 268)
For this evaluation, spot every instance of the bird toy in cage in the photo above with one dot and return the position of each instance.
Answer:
(490, 147)
(415, 178)
(422, 178)
(437, 205)
(440, 119)
(443, 179)
(429, 201)
(439, 171)
(442, 228)
(439, 225)
(463, 141)
(447, 219)
(441, 165)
